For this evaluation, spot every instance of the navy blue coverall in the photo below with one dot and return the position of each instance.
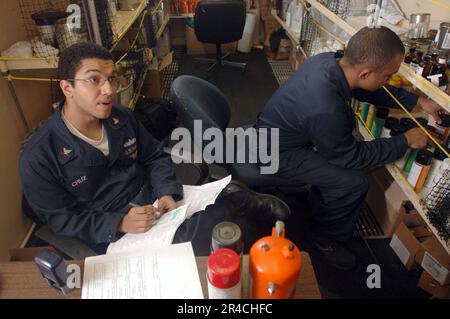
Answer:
(312, 109)
(79, 192)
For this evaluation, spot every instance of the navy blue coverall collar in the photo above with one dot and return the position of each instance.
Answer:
(338, 77)
(70, 146)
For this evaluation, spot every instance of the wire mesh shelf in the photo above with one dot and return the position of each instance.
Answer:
(438, 202)
(49, 26)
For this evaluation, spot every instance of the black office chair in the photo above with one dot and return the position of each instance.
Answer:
(219, 22)
(197, 99)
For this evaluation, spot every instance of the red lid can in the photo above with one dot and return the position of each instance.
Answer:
(224, 268)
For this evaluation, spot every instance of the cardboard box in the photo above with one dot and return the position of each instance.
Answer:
(412, 219)
(296, 58)
(153, 84)
(266, 7)
(427, 283)
(384, 198)
(193, 46)
(405, 245)
(284, 50)
(435, 260)
(270, 25)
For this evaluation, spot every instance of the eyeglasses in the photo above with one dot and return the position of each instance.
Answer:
(96, 81)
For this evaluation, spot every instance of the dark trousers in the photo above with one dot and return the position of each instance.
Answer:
(198, 229)
(337, 193)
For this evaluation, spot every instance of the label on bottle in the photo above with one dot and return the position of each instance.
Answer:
(434, 268)
(224, 293)
(414, 67)
(414, 174)
(434, 78)
(419, 70)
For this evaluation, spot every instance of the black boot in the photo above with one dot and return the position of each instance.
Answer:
(332, 251)
(255, 205)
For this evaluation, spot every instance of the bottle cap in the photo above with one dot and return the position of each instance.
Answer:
(227, 235)
(424, 157)
(439, 154)
(397, 129)
(382, 112)
(407, 122)
(422, 121)
(445, 165)
(224, 268)
(445, 120)
(390, 121)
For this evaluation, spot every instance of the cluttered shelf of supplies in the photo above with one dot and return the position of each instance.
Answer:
(182, 16)
(45, 57)
(338, 31)
(124, 19)
(416, 198)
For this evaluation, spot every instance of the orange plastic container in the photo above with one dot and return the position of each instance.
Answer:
(275, 265)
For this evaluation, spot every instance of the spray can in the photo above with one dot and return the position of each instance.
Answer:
(420, 168)
(444, 127)
(408, 123)
(388, 124)
(379, 120)
(364, 110)
(227, 235)
(275, 265)
(370, 116)
(398, 129)
(438, 158)
(422, 121)
(224, 274)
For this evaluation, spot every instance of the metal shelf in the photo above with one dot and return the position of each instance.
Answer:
(416, 199)
(425, 86)
(124, 20)
(182, 16)
(162, 28)
(137, 92)
(28, 63)
(294, 36)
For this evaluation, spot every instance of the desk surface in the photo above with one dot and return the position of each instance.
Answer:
(21, 279)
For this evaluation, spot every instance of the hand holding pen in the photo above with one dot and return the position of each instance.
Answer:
(139, 219)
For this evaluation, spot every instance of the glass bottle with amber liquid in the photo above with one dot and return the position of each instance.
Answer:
(410, 56)
(441, 68)
(416, 61)
(425, 66)
(434, 61)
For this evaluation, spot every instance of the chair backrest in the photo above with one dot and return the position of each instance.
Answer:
(197, 99)
(220, 21)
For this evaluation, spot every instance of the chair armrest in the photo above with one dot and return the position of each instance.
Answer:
(72, 247)
(202, 168)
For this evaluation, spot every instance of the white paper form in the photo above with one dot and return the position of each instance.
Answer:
(195, 199)
(150, 274)
(198, 197)
(161, 234)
